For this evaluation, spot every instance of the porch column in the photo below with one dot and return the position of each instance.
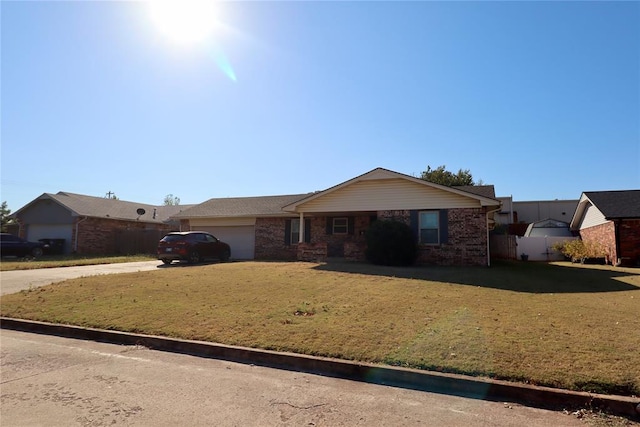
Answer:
(301, 229)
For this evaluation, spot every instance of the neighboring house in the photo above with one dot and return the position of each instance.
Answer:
(611, 219)
(93, 225)
(548, 228)
(519, 215)
(451, 224)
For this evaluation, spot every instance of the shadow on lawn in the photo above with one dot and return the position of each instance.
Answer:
(529, 277)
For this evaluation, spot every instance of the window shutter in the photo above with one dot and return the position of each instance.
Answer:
(351, 223)
(307, 231)
(415, 225)
(329, 225)
(287, 232)
(444, 225)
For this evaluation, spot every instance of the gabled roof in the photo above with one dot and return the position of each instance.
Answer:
(621, 204)
(616, 204)
(241, 207)
(99, 207)
(481, 190)
(479, 193)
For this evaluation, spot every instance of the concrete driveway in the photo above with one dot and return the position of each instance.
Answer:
(15, 281)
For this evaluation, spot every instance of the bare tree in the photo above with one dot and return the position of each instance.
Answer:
(171, 200)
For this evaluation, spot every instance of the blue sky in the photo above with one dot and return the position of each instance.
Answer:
(540, 99)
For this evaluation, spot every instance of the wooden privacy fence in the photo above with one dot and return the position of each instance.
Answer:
(502, 246)
(132, 242)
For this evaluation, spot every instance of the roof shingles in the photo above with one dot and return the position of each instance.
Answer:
(242, 206)
(114, 209)
(616, 204)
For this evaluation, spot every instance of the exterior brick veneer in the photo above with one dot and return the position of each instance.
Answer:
(629, 230)
(98, 235)
(270, 243)
(466, 244)
(604, 235)
(316, 252)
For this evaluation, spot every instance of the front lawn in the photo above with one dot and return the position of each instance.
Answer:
(560, 325)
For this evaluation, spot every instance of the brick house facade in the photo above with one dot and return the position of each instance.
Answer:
(95, 225)
(333, 223)
(603, 236)
(611, 220)
(466, 243)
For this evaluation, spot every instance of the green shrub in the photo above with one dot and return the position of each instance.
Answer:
(579, 250)
(390, 243)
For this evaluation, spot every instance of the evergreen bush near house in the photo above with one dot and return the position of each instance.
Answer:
(390, 243)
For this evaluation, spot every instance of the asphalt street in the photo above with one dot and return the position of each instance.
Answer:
(53, 381)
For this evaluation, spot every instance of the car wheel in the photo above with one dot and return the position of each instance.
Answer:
(166, 261)
(224, 256)
(194, 257)
(36, 252)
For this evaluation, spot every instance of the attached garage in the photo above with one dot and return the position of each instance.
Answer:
(233, 219)
(36, 232)
(239, 233)
(240, 238)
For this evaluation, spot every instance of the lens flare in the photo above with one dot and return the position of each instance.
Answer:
(184, 21)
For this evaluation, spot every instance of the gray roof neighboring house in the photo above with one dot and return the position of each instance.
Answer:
(622, 204)
(99, 207)
(241, 207)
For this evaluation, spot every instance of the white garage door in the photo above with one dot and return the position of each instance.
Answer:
(36, 232)
(241, 239)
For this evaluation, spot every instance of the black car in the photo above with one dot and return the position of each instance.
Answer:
(192, 246)
(15, 246)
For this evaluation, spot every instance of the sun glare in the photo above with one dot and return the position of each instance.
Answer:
(184, 21)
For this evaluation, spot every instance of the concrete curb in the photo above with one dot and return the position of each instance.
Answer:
(452, 384)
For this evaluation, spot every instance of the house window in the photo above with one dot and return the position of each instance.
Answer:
(340, 225)
(429, 227)
(295, 231)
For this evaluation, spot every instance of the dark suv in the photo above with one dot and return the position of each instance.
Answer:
(11, 245)
(192, 246)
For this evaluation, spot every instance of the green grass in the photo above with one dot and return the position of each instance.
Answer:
(559, 324)
(51, 261)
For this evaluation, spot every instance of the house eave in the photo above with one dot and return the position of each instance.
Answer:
(483, 201)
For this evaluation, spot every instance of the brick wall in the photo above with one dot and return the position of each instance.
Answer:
(629, 239)
(466, 242)
(270, 243)
(314, 252)
(466, 245)
(97, 236)
(270, 239)
(604, 236)
(630, 242)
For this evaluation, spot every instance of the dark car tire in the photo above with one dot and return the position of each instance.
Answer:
(194, 257)
(224, 256)
(166, 261)
(36, 252)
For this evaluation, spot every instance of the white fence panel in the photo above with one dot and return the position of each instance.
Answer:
(540, 248)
